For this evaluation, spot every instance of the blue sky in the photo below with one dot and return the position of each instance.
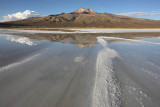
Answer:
(47, 7)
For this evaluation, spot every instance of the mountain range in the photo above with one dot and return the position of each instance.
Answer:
(84, 18)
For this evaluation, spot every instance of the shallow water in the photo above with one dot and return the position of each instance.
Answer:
(68, 72)
(138, 72)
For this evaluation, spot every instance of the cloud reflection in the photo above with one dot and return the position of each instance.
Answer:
(22, 40)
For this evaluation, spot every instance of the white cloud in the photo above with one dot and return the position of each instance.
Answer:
(20, 15)
(140, 14)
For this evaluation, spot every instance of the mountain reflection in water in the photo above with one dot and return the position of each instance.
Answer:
(83, 40)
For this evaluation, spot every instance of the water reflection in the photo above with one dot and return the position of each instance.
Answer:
(14, 48)
(85, 40)
(80, 40)
(22, 40)
(65, 75)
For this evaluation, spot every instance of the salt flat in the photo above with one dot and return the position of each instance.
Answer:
(111, 71)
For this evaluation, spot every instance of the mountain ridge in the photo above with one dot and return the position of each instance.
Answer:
(84, 18)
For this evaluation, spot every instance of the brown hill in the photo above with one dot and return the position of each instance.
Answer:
(84, 18)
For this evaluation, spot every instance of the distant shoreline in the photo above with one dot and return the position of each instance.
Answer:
(57, 29)
(81, 30)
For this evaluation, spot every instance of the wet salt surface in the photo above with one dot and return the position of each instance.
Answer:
(46, 74)
(138, 71)
(14, 48)
(51, 74)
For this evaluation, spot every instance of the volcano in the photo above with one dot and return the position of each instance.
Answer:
(84, 18)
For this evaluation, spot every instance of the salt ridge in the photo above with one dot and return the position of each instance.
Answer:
(106, 91)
